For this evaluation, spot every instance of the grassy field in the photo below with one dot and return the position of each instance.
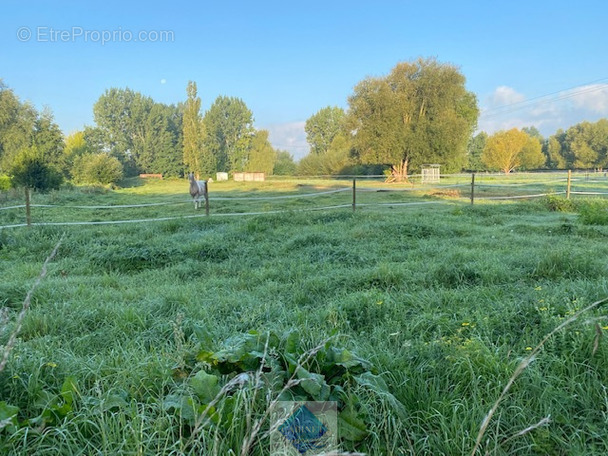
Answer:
(176, 336)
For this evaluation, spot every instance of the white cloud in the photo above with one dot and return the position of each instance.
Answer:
(504, 96)
(592, 98)
(290, 137)
(506, 108)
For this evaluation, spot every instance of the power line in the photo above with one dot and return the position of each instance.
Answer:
(543, 99)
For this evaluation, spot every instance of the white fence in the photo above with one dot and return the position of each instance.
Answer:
(363, 192)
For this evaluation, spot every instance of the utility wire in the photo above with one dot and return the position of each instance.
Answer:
(543, 99)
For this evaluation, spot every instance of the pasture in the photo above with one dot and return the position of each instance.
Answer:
(175, 336)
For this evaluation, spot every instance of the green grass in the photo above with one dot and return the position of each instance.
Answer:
(443, 300)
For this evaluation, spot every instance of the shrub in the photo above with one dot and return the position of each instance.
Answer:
(5, 183)
(30, 169)
(557, 203)
(594, 212)
(97, 169)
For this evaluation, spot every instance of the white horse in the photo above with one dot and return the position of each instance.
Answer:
(197, 190)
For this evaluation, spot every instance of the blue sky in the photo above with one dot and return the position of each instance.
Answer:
(544, 60)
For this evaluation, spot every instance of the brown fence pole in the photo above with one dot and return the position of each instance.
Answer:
(568, 185)
(206, 195)
(28, 212)
(354, 194)
(472, 188)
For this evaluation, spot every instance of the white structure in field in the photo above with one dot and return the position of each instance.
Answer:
(249, 177)
(221, 176)
(430, 174)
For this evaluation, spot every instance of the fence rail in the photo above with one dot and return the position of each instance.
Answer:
(358, 193)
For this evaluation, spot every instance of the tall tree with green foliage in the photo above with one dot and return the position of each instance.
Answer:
(284, 164)
(586, 145)
(533, 133)
(228, 126)
(322, 127)
(262, 155)
(336, 160)
(48, 139)
(531, 156)
(194, 156)
(17, 121)
(420, 113)
(120, 114)
(554, 152)
(474, 151)
(24, 132)
(137, 130)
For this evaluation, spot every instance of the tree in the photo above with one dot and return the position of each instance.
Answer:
(48, 139)
(120, 116)
(600, 142)
(17, 121)
(321, 128)
(284, 164)
(28, 135)
(75, 146)
(97, 168)
(474, 151)
(503, 150)
(94, 138)
(262, 155)
(194, 156)
(421, 112)
(553, 150)
(228, 126)
(138, 131)
(533, 133)
(161, 152)
(170, 161)
(334, 161)
(531, 155)
(30, 170)
(584, 155)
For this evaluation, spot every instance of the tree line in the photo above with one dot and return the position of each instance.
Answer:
(582, 146)
(420, 113)
(134, 134)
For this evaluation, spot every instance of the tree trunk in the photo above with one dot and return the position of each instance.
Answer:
(399, 172)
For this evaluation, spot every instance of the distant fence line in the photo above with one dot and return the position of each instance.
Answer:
(434, 189)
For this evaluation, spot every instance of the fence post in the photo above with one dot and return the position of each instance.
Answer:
(28, 212)
(568, 185)
(472, 188)
(206, 195)
(354, 194)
